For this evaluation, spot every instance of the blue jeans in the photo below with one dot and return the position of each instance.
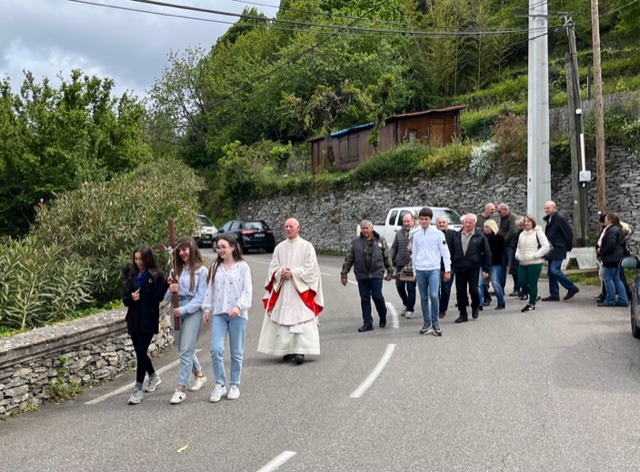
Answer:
(407, 291)
(429, 285)
(494, 276)
(557, 277)
(186, 339)
(614, 286)
(236, 327)
(371, 289)
(445, 293)
(507, 258)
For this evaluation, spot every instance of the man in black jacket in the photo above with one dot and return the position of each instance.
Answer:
(442, 224)
(470, 256)
(560, 237)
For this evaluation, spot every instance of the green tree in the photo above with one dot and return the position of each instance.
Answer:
(52, 140)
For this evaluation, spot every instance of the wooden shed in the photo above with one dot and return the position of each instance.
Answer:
(350, 147)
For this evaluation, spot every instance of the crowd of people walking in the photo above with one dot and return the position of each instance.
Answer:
(425, 260)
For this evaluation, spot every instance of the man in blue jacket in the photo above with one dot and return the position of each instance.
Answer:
(369, 257)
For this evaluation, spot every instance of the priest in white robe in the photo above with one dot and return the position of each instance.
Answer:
(293, 299)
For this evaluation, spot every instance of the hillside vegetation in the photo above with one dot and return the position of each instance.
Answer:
(254, 98)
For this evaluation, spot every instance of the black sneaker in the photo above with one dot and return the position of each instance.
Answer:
(436, 330)
(528, 308)
(426, 329)
(524, 296)
(475, 313)
(515, 293)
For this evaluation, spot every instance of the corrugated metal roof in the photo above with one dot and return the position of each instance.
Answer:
(426, 112)
(394, 117)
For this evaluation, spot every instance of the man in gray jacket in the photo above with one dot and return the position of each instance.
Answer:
(369, 256)
(401, 256)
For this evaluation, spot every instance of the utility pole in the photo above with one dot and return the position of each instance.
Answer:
(538, 167)
(599, 111)
(580, 176)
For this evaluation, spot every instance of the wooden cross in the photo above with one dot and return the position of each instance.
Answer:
(172, 257)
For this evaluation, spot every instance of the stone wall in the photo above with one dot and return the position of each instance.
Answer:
(79, 353)
(329, 221)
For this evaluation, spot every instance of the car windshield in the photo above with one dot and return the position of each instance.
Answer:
(452, 216)
(204, 221)
(259, 225)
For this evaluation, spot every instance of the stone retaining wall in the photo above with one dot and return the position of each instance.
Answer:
(40, 365)
(329, 220)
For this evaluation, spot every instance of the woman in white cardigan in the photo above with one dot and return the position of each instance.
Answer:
(530, 252)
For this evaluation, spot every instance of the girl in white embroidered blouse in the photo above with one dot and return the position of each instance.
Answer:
(227, 302)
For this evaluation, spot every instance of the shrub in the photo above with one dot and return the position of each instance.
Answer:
(40, 285)
(482, 158)
(455, 156)
(631, 135)
(398, 162)
(102, 223)
(511, 136)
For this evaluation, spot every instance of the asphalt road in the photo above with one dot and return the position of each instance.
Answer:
(552, 390)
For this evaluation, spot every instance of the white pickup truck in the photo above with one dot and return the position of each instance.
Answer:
(393, 222)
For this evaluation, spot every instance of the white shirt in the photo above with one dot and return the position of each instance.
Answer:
(230, 287)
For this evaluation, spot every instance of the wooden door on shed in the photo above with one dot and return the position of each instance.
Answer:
(436, 133)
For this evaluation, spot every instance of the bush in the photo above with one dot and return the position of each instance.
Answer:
(631, 136)
(396, 163)
(454, 156)
(40, 285)
(511, 136)
(102, 223)
(482, 159)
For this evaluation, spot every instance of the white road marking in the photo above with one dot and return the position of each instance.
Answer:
(326, 275)
(277, 461)
(352, 282)
(393, 320)
(364, 386)
(127, 387)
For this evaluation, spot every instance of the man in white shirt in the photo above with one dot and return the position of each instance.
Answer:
(429, 251)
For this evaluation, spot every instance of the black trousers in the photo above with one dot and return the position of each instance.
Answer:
(467, 280)
(141, 342)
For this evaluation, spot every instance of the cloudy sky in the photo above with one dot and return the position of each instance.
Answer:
(49, 37)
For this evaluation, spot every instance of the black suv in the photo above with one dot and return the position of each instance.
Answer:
(250, 234)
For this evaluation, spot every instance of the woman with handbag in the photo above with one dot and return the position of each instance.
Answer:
(530, 252)
(190, 283)
(612, 250)
(144, 290)
(226, 304)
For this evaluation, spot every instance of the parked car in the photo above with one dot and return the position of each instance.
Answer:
(632, 262)
(393, 222)
(204, 233)
(250, 234)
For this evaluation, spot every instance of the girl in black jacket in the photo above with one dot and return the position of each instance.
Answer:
(145, 289)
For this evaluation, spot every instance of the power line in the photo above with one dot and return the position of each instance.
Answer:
(326, 25)
(310, 12)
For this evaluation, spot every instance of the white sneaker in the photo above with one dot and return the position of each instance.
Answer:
(404, 311)
(409, 314)
(198, 383)
(234, 392)
(178, 397)
(217, 393)
(152, 383)
(136, 397)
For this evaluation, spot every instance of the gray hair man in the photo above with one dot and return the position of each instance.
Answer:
(470, 258)
(369, 256)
